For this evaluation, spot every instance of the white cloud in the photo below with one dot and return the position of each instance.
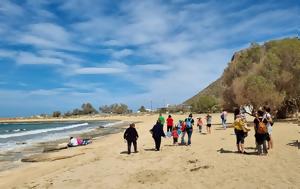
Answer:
(7, 53)
(152, 67)
(48, 36)
(24, 58)
(97, 70)
(122, 53)
(10, 9)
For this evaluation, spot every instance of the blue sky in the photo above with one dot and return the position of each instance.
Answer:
(56, 55)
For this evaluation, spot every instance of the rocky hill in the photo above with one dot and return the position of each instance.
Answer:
(267, 74)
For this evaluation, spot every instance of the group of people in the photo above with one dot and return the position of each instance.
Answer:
(262, 127)
(182, 128)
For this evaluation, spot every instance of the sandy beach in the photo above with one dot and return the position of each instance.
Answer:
(210, 162)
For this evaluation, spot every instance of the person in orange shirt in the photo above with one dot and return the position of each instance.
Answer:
(169, 123)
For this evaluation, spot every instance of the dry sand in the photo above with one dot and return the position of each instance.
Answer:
(210, 162)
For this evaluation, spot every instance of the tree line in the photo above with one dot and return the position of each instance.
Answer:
(88, 109)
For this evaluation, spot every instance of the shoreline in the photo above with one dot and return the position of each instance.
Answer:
(210, 162)
(12, 158)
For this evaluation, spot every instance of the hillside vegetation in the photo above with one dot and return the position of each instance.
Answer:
(262, 75)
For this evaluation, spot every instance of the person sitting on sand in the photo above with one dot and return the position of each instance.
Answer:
(78, 142)
(157, 132)
(199, 124)
(208, 123)
(169, 123)
(131, 136)
(175, 135)
(240, 129)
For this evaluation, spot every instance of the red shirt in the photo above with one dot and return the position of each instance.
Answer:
(175, 134)
(170, 122)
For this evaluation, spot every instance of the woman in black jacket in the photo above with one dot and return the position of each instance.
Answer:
(157, 132)
(131, 136)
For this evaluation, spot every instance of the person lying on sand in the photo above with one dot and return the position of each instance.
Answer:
(78, 142)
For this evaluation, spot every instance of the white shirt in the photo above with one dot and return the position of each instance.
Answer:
(74, 142)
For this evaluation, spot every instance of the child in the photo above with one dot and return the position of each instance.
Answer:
(208, 123)
(199, 124)
(175, 135)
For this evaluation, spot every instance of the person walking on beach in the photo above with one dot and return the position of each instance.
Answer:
(131, 136)
(208, 123)
(261, 133)
(161, 119)
(157, 132)
(240, 130)
(224, 119)
(268, 117)
(169, 123)
(189, 128)
(183, 131)
(199, 124)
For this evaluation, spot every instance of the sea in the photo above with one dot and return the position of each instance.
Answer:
(14, 135)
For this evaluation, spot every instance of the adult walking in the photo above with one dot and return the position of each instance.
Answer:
(189, 128)
(157, 132)
(224, 118)
(161, 119)
(267, 116)
(131, 136)
(170, 123)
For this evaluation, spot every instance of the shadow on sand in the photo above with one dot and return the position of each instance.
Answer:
(223, 151)
(294, 143)
(149, 149)
(124, 152)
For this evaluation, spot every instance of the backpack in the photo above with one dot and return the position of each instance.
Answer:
(222, 116)
(188, 123)
(262, 128)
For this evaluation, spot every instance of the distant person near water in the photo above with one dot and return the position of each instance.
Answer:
(208, 123)
(157, 132)
(131, 136)
(189, 128)
(268, 117)
(78, 142)
(261, 133)
(169, 123)
(199, 124)
(224, 118)
(240, 130)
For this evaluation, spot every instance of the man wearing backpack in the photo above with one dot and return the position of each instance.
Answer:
(261, 133)
(189, 127)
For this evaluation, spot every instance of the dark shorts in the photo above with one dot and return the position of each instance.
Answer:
(240, 136)
(208, 125)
